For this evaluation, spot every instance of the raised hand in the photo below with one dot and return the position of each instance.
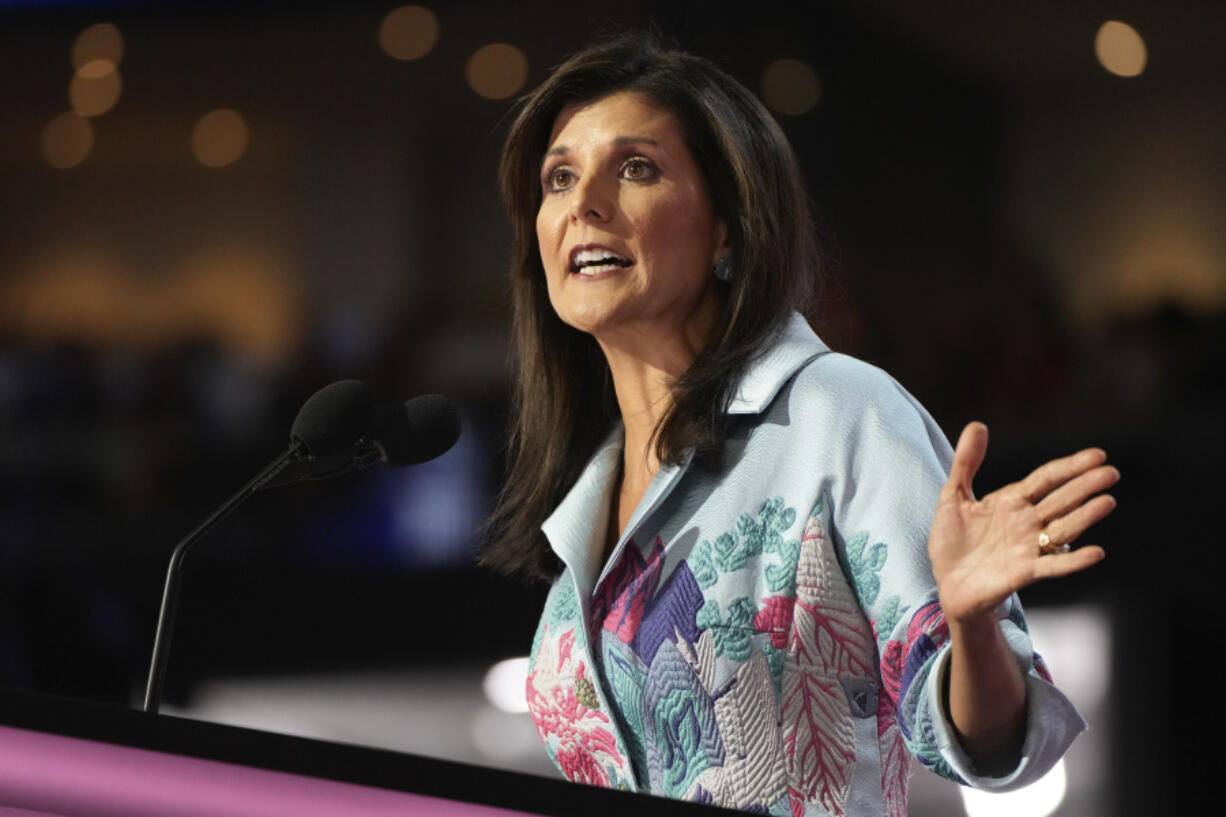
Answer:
(983, 550)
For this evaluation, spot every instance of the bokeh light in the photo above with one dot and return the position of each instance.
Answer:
(408, 32)
(1039, 799)
(67, 140)
(504, 684)
(219, 138)
(497, 70)
(95, 87)
(101, 41)
(790, 87)
(1120, 49)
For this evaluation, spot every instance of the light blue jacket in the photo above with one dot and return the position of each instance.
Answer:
(768, 636)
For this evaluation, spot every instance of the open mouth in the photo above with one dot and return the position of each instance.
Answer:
(596, 261)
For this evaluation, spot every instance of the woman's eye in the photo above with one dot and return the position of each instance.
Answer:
(559, 179)
(638, 170)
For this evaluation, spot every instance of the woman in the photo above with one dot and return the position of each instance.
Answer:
(766, 591)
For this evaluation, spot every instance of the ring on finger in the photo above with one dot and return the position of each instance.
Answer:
(1048, 547)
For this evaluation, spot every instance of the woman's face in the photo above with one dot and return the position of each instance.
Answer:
(626, 229)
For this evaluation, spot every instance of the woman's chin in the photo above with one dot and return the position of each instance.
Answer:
(595, 321)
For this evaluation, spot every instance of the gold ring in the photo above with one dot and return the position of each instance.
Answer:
(1047, 547)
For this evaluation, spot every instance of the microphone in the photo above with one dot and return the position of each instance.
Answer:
(419, 430)
(334, 417)
(414, 432)
(331, 420)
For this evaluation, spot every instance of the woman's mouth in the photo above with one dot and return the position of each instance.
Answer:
(596, 261)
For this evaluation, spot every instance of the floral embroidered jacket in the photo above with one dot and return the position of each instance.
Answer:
(768, 637)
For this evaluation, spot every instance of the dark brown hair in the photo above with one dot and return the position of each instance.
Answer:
(564, 404)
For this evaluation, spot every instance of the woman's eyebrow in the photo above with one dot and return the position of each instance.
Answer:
(621, 141)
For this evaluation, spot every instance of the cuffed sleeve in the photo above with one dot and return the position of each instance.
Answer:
(1052, 722)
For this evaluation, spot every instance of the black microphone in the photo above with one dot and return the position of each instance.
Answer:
(419, 430)
(414, 432)
(334, 417)
(330, 421)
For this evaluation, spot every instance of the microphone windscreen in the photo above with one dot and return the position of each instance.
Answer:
(418, 430)
(334, 417)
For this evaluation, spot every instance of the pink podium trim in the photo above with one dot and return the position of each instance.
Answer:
(82, 778)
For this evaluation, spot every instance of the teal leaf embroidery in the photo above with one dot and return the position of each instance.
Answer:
(729, 553)
(888, 620)
(748, 538)
(702, 567)
(732, 635)
(865, 562)
(708, 615)
(781, 578)
(627, 679)
(774, 663)
(561, 608)
(564, 607)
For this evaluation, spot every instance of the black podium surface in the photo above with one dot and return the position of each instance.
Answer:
(73, 758)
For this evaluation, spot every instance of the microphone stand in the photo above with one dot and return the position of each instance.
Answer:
(174, 573)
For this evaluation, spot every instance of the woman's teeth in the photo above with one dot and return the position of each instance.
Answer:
(597, 268)
(591, 262)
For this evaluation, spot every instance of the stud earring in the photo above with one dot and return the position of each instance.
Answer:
(723, 268)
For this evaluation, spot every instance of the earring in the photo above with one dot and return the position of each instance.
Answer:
(723, 268)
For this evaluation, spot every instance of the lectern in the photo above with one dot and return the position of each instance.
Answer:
(62, 757)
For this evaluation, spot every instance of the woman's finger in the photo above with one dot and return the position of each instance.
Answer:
(1076, 491)
(1062, 564)
(1044, 479)
(968, 456)
(1069, 527)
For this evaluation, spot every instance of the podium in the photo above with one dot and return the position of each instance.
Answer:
(62, 757)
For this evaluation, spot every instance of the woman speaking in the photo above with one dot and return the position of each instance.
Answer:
(771, 580)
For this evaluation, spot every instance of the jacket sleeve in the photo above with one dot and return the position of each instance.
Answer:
(895, 460)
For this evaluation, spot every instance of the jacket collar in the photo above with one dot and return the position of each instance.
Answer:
(577, 528)
(796, 345)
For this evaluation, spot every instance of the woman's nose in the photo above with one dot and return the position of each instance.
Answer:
(591, 201)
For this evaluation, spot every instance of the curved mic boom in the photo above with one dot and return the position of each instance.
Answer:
(332, 419)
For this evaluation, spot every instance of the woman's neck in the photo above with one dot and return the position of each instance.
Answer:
(644, 365)
(643, 385)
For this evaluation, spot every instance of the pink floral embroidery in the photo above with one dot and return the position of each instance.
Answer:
(775, 618)
(797, 801)
(895, 759)
(623, 596)
(926, 632)
(828, 640)
(580, 766)
(586, 748)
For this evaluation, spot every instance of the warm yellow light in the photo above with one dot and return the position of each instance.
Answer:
(1120, 49)
(242, 297)
(408, 32)
(95, 88)
(97, 69)
(219, 138)
(790, 87)
(98, 42)
(67, 140)
(497, 70)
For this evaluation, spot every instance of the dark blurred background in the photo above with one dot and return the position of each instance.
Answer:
(209, 210)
